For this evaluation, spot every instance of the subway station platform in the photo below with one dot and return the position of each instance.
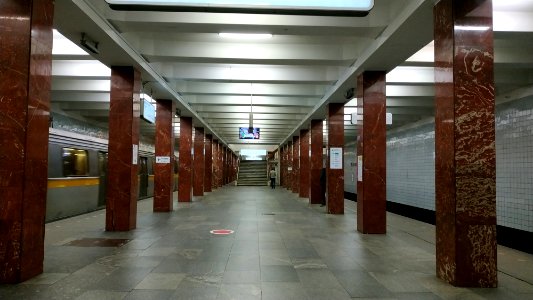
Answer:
(281, 248)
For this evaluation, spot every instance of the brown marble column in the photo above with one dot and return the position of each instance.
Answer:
(164, 153)
(335, 177)
(185, 161)
(316, 163)
(225, 166)
(216, 147)
(25, 73)
(199, 162)
(222, 162)
(208, 174)
(372, 147)
(290, 155)
(282, 166)
(304, 163)
(122, 176)
(465, 164)
(296, 164)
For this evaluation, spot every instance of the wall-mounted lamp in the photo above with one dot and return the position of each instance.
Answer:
(89, 44)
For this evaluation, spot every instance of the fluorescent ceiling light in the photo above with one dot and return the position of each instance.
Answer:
(472, 28)
(246, 36)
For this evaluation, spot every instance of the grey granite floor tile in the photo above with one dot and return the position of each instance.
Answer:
(239, 291)
(318, 279)
(160, 281)
(283, 291)
(278, 274)
(102, 295)
(360, 284)
(402, 282)
(282, 248)
(149, 295)
(122, 279)
(327, 294)
(244, 277)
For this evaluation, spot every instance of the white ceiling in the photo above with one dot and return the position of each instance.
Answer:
(286, 80)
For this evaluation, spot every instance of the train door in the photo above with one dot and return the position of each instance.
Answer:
(102, 175)
(143, 177)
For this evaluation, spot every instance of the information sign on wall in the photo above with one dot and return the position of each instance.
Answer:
(335, 158)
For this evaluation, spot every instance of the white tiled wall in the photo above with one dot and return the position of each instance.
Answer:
(411, 167)
(514, 164)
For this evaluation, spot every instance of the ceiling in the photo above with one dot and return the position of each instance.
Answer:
(285, 80)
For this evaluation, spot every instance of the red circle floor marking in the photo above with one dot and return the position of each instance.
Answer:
(222, 231)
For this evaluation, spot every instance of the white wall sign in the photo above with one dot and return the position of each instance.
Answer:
(135, 154)
(162, 159)
(289, 168)
(359, 168)
(335, 158)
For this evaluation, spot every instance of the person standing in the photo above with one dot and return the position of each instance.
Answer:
(273, 178)
(323, 189)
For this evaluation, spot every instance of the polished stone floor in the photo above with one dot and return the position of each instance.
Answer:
(281, 248)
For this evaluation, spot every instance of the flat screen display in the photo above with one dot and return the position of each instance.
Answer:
(317, 7)
(248, 133)
(148, 111)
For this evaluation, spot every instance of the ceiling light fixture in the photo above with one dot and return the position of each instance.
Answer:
(251, 117)
(472, 28)
(89, 43)
(245, 36)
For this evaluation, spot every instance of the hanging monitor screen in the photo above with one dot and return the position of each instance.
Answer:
(284, 7)
(148, 111)
(248, 133)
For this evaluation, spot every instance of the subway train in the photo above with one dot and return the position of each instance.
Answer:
(77, 174)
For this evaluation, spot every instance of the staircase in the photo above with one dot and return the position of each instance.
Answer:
(253, 172)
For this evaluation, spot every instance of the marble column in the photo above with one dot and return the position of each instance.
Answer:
(296, 164)
(220, 164)
(216, 146)
(316, 163)
(208, 179)
(465, 163)
(289, 165)
(164, 149)
(25, 72)
(335, 176)
(372, 151)
(304, 163)
(199, 162)
(185, 161)
(225, 166)
(282, 166)
(122, 175)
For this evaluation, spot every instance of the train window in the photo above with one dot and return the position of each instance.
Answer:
(75, 162)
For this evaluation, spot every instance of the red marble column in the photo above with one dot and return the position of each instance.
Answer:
(296, 164)
(465, 163)
(164, 149)
(317, 141)
(290, 155)
(335, 177)
(282, 166)
(372, 147)
(185, 161)
(304, 163)
(221, 166)
(208, 174)
(25, 73)
(122, 182)
(199, 162)
(225, 166)
(216, 157)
